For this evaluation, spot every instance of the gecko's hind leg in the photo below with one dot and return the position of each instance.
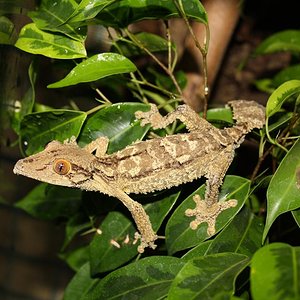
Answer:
(207, 210)
(184, 113)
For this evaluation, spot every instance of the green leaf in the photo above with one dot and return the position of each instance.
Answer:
(296, 215)
(118, 123)
(53, 16)
(7, 31)
(206, 277)
(76, 258)
(150, 41)
(75, 225)
(198, 251)
(222, 114)
(80, 284)
(280, 95)
(243, 235)
(49, 202)
(275, 271)
(35, 41)
(283, 192)
(148, 278)
(96, 67)
(288, 40)
(105, 254)
(288, 73)
(180, 236)
(158, 210)
(280, 120)
(124, 12)
(88, 9)
(38, 129)
(28, 99)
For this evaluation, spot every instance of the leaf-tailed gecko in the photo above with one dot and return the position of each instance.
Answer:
(152, 165)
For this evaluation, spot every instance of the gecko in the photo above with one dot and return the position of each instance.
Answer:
(153, 164)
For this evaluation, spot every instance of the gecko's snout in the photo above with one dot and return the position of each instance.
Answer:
(18, 167)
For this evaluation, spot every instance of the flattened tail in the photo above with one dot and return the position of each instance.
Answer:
(248, 113)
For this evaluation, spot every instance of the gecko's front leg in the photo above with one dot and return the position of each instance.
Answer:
(146, 233)
(184, 113)
(207, 210)
(99, 145)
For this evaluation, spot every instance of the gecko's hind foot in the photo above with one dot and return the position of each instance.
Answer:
(144, 243)
(207, 214)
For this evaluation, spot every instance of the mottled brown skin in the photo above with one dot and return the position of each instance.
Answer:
(152, 165)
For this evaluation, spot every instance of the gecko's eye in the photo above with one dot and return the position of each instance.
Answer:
(62, 166)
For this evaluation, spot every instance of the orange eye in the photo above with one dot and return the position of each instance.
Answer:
(62, 166)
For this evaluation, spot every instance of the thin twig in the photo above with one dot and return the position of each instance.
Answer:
(168, 72)
(203, 50)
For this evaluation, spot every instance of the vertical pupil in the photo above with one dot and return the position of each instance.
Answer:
(61, 167)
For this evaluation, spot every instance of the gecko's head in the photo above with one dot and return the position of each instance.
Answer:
(61, 164)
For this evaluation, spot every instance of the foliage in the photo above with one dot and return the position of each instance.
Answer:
(187, 263)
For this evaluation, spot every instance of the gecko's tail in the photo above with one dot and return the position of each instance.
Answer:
(249, 113)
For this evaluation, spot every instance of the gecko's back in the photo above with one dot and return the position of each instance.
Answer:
(160, 163)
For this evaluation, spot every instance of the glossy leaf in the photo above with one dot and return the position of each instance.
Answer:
(105, 254)
(148, 278)
(38, 129)
(288, 40)
(150, 41)
(7, 31)
(280, 95)
(198, 251)
(88, 9)
(80, 284)
(54, 15)
(124, 12)
(35, 41)
(243, 235)
(158, 210)
(223, 114)
(49, 202)
(118, 123)
(283, 191)
(96, 67)
(180, 236)
(206, 277)
(275, 271)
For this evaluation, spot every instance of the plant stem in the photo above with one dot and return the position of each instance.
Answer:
(203, 50)
(168, 72)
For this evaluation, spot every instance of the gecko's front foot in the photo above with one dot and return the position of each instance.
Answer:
(144, 242)
(207, 214)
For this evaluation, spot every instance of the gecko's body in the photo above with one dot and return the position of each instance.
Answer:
(152, 165)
